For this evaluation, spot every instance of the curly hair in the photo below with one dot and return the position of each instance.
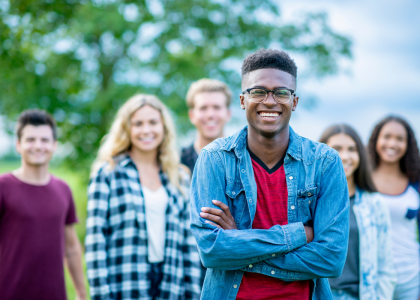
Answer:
(362, 175)
(410, 162)
(269, 59)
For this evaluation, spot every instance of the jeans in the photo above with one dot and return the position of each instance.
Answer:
(409, 290)
(155, 277)
(342, 295)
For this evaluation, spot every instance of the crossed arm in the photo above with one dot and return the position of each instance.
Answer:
(223, 219)
(282, 247)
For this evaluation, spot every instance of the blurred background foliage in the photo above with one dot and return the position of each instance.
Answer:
(80, 59)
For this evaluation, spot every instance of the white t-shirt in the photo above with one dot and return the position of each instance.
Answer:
(404, 209)
(156, 203)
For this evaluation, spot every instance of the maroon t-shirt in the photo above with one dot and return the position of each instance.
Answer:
(271, 210)
(32, 221)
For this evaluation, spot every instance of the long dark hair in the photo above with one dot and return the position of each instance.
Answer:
(410, 162)
(362, 175)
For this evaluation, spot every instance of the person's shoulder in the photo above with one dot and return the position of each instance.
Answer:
(317, 150)
(59, 183)
(106, 170)
(375, 198)
(187, 150)
(6, 178)
(216, 145)
(225, 144)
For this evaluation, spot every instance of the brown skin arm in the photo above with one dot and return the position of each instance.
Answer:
(73, 260)
(222, 218)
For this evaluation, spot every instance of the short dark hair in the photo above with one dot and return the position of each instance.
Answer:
(410, 162)
(362, 175)
(269, 59)
(35, 117)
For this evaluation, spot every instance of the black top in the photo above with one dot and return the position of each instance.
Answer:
(262, 164)
(189, 157)
(349, 280)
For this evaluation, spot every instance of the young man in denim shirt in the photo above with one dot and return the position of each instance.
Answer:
(270, 209)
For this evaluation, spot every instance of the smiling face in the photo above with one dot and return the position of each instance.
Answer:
(210, 114)
(36, 145)
(147, 130)
(268, 118)
(392, 142)
(347, 149)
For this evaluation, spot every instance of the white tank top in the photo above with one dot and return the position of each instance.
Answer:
(406, 250)
(156, 203)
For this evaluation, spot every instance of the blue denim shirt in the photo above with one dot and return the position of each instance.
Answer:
(317, 195)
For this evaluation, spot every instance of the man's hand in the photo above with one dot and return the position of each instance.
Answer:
(219, 218)
(309, 231)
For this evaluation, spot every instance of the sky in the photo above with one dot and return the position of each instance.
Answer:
(382, 78)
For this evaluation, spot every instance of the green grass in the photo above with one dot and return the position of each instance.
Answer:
(79, 188)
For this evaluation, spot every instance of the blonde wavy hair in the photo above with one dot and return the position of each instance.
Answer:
(118, 140)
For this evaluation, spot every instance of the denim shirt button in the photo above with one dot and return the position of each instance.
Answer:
(235, 286)
(250, 200)
(309, 194)
(292, 207)
(250, 266)
(243, 171)
(273, 272)
(290, 177)
(273, 255)
(233, 193)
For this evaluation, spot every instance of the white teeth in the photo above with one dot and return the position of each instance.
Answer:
(391, 152)
(264, 114)
(147, 139)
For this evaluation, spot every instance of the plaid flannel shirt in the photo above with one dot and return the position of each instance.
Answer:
(116, 240)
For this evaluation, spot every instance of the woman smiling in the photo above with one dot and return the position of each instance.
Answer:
(396, 160)
(368, 272)
(138, 243)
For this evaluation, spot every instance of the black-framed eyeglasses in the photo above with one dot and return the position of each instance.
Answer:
(281, 95)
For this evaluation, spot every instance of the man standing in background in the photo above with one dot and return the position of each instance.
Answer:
(37, 214)
(208, 101)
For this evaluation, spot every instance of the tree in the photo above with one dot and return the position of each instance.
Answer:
(81, 59)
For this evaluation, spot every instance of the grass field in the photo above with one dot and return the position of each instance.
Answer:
(78, 187)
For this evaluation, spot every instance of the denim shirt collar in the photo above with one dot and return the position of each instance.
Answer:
(237, 144)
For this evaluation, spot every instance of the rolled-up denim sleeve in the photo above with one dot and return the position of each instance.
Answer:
(232, 249)
(326, 254)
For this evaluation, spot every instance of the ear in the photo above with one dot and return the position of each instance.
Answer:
(229, 115)
(295, 103)
(55, 146)
(242, 100)
(18, 146)
(191, 115)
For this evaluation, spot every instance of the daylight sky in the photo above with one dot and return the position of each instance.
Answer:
(384, 75)
(383, 78)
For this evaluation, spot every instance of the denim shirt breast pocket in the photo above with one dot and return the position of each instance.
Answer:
(306, 202)
(236, 199)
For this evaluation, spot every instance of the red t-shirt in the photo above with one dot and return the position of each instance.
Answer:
(271, 210)
(32, 221)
